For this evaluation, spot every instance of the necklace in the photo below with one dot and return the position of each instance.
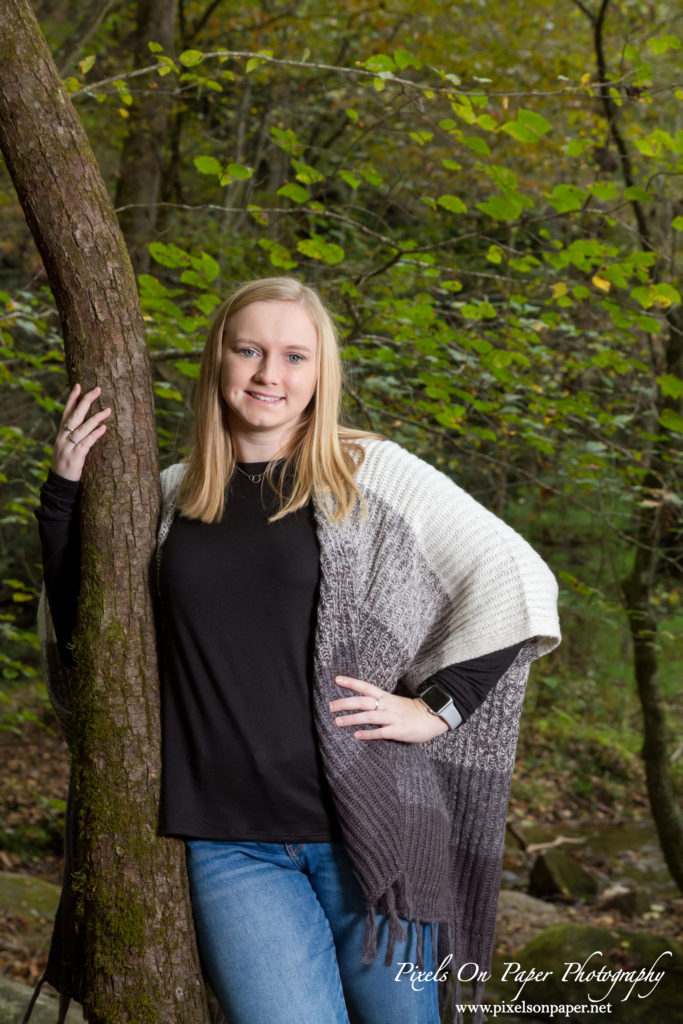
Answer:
(255, 478)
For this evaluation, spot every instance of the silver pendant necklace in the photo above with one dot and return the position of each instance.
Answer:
(255, 478)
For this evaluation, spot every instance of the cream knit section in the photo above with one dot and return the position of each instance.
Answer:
(502, 591)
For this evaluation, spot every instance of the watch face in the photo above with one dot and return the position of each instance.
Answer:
(435, 699)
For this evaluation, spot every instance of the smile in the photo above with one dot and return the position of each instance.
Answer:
(265, 399)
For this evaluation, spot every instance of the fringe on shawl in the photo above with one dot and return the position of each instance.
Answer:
(397, 932)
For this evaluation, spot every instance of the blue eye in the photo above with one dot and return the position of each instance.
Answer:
(246, 351)
(296, 357)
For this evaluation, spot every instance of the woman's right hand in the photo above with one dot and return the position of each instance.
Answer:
(77, 434)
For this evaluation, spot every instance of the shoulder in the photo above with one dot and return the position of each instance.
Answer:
(170, 480)
(397, 475)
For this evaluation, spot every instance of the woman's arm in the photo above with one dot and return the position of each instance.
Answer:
(57, 514)
(406, 718)
(60, 542)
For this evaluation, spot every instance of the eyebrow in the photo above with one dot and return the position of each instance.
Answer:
(288, 348)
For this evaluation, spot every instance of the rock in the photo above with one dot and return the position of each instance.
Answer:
(556, 873)
(629, 901)
(520, 917)
(572, 963)
(15, 997)
(28, 896)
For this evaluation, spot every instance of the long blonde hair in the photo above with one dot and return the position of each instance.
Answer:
(323, 458)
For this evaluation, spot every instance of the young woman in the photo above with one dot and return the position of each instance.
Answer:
(345, 637)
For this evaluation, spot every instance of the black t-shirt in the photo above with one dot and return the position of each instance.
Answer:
(240, 758)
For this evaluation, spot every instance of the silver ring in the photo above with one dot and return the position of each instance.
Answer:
(72, 440)
(376, 707)
(67, 429)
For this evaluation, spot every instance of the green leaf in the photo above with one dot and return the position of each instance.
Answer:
(451, 417)
(207, 266)
(279, 255)
(187, 368)
(660, 44)
(207, 302)
(453, 204)
(85, 64)
(317, 248)
(529, 126)
(605, 191)
(350, 179)
(578, 146)
(505, 206)
(297, 193)
(670, 385)
(404, 60)
(155, 47)
(477, 145)
(236, 172)
(567, 197)
(190, 58)
(169, 255)
(380, 62)
(677, 223)
(421, 137)
(637, 194)
(672, 420)
(208, 165)
(305, 173)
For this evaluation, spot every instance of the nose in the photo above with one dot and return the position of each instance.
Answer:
(266, 372)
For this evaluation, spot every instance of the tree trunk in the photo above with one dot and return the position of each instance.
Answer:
(132, 910)
(658, 490)
(637, 589)
(139, 179)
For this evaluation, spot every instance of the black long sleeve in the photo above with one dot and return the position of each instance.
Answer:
(60, 539)
(467, 682)
(470, 682)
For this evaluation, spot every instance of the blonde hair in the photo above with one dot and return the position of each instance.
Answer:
(323, 458)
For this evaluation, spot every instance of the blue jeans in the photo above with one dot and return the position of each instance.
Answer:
(280, 930)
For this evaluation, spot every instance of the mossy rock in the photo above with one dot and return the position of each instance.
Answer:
(15, 997)
(633, 901)
(564, 956)
(27, 896)
(556, 873)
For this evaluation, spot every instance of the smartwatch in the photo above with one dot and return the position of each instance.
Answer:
(440, 703)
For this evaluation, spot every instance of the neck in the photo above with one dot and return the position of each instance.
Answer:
(258, 452)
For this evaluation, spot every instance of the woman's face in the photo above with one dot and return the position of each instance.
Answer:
(269, 372)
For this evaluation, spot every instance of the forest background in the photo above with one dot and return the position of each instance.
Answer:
(489, 199)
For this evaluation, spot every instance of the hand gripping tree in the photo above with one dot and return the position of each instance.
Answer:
(132, 909)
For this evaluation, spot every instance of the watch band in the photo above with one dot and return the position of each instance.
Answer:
(440, 703)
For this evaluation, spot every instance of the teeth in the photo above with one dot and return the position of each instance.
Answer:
(265, 398)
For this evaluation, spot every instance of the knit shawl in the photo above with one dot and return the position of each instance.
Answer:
(425, 577)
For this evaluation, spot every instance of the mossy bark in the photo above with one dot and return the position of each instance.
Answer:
(132, 906)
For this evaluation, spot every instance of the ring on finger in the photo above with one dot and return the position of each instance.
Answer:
(67, 429)
(72, 440)
(377, 704)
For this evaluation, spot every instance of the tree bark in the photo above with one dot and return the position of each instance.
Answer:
(132, 908)
(637, 589)
(657, 488)
(141, 167)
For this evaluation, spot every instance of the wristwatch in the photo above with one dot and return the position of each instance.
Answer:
(438, 702)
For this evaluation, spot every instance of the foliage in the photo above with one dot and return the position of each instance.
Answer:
(506, 283)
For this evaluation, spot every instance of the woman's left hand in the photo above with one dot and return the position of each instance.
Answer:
(396, 718)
